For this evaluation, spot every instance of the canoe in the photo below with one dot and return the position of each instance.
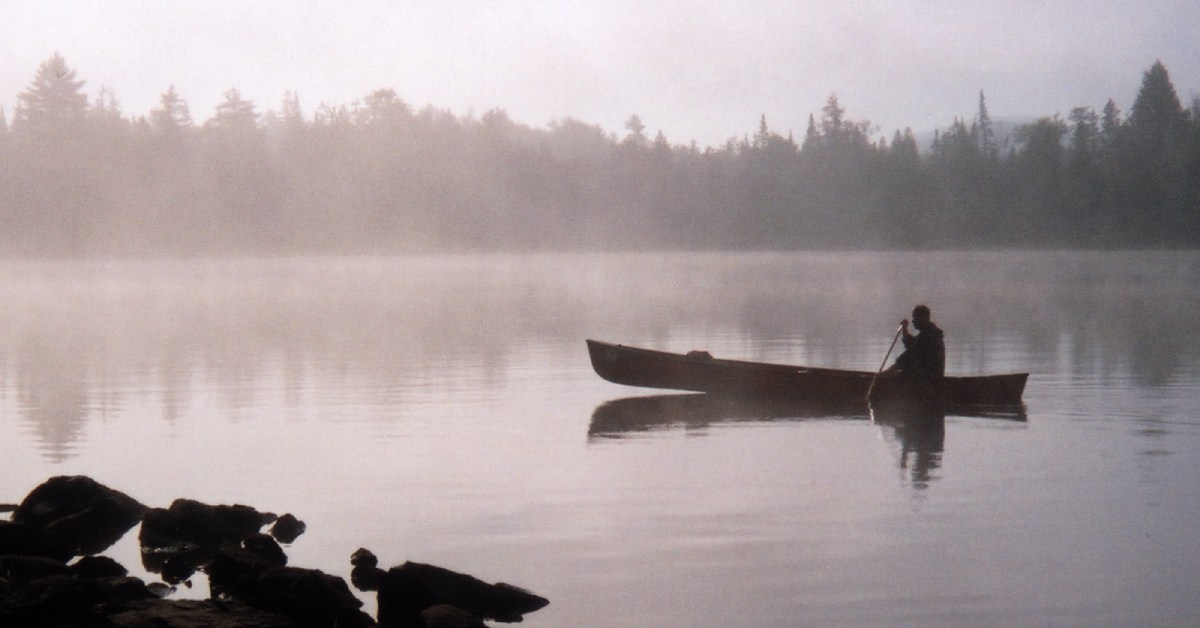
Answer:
(698, 371)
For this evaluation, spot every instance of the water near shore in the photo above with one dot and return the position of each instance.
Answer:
(442, 409)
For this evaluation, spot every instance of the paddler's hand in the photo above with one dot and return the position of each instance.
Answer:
(904, 324)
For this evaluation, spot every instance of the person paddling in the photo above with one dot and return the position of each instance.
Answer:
(924, 354)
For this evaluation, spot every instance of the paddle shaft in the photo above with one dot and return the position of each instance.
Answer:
(871, 388)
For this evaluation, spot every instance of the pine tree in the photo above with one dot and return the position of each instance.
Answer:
(986, 135)
(1152, 159)
(290, 113)
(812, 137)
(234, 113)
(637, 131)
(383, 107)
(1157, 118)
(1110, 129)
(54, 100)
(172, 114)
(832, 127)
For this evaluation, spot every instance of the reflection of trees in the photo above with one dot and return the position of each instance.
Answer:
(52, 391)
(76, 334)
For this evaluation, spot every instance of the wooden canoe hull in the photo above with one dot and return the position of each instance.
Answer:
(700, 372)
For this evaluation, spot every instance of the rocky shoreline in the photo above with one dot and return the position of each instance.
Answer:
(51, 574)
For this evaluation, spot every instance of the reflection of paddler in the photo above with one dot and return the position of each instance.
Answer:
(920, 430)
(924, 354)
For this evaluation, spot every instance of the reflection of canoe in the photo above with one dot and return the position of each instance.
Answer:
(699, 371)
(696, 411)
(691, 410)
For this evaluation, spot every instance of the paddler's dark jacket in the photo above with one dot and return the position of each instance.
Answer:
(924, 354)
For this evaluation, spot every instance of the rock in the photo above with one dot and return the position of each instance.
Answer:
(251, 585)
(177, 541)
(161, 589)
(22, 539)
(365, 576)
(65, 600)
(92, 516)
(447, 616)
(193, 614)
(229, 566)
(308, 596)
(265, 547)
(177, 569)
(98, 567)
(363, 557)
(407, 590)
(287, 528)
(22, 569)
(189, 522)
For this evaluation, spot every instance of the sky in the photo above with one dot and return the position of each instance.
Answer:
(696, 70)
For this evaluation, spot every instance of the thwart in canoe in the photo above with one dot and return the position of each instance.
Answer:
(700, 372)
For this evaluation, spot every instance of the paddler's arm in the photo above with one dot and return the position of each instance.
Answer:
(908, 338)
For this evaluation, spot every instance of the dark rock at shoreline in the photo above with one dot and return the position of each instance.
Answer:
(66, 600)
(193, 614)
(22, 539)
(363, 557)
(176, 564)
(92, 516)
(251, 585)
(448, 616)
(408, 590)
(23, 569)
(309, 597)
(366, 574)
(98, 567)
(287, 528)
(189, 522)
(265, 548)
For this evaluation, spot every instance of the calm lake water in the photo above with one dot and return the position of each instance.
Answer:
(442, 409)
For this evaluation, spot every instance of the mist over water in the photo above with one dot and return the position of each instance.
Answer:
(442, 409)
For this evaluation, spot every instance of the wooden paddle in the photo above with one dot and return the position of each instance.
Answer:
(887, 355)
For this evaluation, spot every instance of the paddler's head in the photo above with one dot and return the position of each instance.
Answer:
(920, 316)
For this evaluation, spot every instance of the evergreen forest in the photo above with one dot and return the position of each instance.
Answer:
(78, 177)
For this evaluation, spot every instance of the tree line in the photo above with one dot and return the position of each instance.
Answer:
(80, 178)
